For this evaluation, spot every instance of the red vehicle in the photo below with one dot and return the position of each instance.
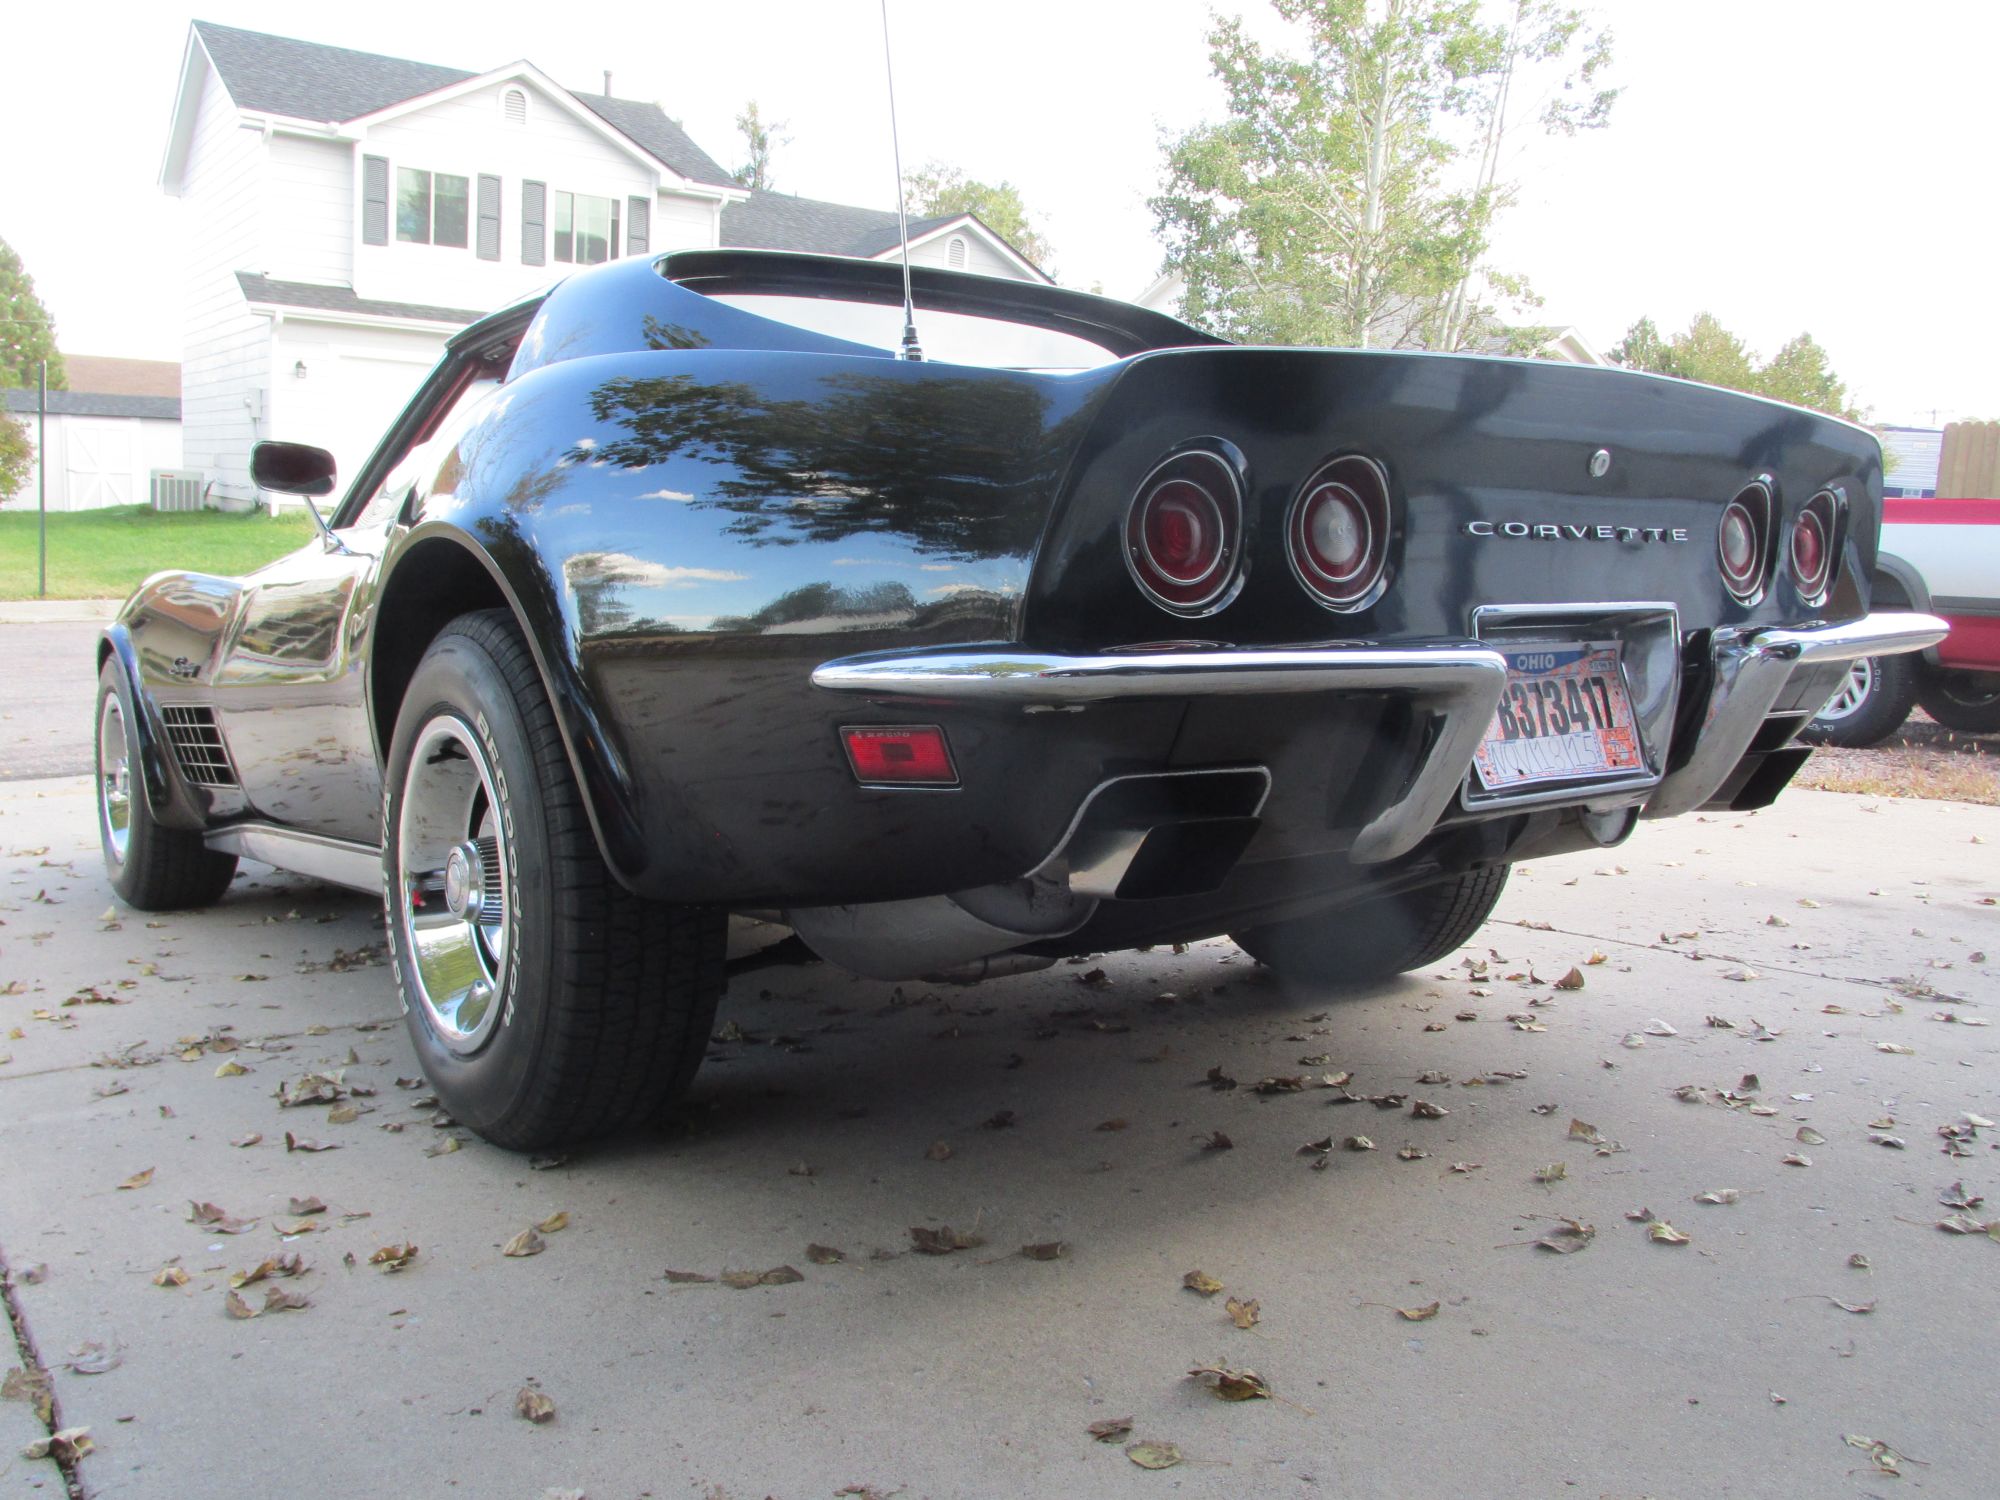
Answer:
(1940, 557)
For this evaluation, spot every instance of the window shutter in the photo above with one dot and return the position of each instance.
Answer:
(638, 226)
(374, 200)
(534, 211)
(489, 218)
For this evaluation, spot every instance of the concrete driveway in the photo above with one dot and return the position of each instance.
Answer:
(1846, 944)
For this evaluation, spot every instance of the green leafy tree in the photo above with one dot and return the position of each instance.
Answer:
(17, 456)
(27, 333)
(1799, 372)
(761, 140)
(1330, 205)
(936, 189)
(1549, 75)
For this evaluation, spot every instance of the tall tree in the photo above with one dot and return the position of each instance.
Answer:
(761, 140)
(17, 455)
(27, 334)
(936, 188)
(1550, 61)
(1799, 372)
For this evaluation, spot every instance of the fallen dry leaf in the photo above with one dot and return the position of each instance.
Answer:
(1111, 1429)
(819, 1255)
(64, 1446)
(939, 1151)
(236, 1307)
(555, 1223)
(1231, 1384)
(1153, 1454)
(1573, 980)
(1795, 1159)
(277, 1265)
(212, 1218)
(1423, 1109)
(92, 1358)
(1419, 1314)
(1202, 1282)
(393, 1257)
(526, 1243)
(1555, 1171)
(255, 1138)
(277, 1299)
(533, 1405)
(688, 1278)
(170, 1276)
(1571, 1236)
(1358, 1143)
(136, 1180)
(231, 1069)
(308, 1205)
(942, 1241)
(1242, 1314)
(1046, 1250)
(776, 1276)
(299, 1143)
(1719, 1195)
(1660, 1232)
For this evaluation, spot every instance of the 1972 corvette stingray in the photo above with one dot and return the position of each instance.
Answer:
(676, 594)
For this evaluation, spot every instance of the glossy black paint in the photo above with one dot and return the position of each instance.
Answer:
(688, 507)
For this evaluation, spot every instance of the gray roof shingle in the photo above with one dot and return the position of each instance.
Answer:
(91, 404)
(779, 221)
(341, 299)
(307, 81)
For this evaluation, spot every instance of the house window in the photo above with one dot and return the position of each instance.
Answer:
(431, 208)
(954, 253)
(514, 107)
(586, 228)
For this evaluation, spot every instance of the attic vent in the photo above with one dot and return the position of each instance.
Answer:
(197, 745)
(954, 254)
(514, 107)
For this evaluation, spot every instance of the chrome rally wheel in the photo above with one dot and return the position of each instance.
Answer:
(453, 902)
(114, 781)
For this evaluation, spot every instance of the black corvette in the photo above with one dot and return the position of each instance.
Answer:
(675, 594)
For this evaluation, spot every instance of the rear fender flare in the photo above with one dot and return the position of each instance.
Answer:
(1903, 578)
(519, 580)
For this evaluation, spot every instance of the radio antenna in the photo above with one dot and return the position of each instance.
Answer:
(911, 348)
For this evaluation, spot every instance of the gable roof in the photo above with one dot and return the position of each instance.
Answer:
(282, 75)
(781, 221)
(310, 296)
(110, 375)
(93, 404)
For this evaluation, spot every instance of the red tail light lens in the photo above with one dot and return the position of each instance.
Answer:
(899, 755)
(1812, 548)
(1742, 543)
(1181, 534)
(1338, 533)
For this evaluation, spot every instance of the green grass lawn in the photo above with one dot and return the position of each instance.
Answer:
(104, 554)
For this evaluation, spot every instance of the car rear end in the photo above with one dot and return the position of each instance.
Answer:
(1305, 624)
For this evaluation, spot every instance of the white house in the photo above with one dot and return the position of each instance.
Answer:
(118, 421)
(347, 212)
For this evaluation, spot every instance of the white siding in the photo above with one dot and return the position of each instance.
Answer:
(683, 223)
(223, 369)
(979, 256)
(309, 212)
(468, 136)
(356, 380)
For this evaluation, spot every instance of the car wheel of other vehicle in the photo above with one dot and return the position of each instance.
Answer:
(546, 1002)
(1966, 701)
(152, 867)
(1870, 706)
(1375, 939)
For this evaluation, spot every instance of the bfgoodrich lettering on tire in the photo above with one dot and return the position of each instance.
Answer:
(546, 1002)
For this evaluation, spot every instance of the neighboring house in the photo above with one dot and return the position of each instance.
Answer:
(1910, 457)
(119, 420)
(1164, 292)
(347, 212)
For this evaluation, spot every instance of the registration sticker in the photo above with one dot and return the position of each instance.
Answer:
(1564, 714)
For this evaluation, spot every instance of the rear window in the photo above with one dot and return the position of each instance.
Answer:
(948, 337)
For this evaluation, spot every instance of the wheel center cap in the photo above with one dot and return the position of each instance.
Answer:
(464, 881)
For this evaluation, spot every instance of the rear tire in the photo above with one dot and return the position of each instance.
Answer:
(1966, 701)
(152, 867)
(1380, 938)
(546, 1002)
(1871, 705)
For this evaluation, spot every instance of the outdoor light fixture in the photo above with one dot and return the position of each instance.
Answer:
(299, 370)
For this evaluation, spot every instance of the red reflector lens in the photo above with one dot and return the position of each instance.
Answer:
(1180, 534)
(899, 755)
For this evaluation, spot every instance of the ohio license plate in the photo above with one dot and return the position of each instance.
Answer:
(1564, 714)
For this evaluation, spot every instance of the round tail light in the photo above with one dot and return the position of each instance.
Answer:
(1812, 548)
(1742, 543)
(1337, 535)
(1181, 534)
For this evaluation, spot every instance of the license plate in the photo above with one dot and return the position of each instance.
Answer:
(1564, 714)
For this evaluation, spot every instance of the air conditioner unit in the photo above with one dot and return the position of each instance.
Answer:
(177, 489)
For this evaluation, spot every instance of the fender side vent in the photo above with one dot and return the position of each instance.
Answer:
(198, 747)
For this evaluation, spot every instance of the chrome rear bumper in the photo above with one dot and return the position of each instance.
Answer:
(1750, 670)
(1460, 682)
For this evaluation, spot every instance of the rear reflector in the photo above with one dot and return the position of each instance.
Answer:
(899, 755)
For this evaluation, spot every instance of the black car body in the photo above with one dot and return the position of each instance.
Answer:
(956, 669)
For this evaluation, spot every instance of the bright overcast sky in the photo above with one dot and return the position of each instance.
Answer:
(1818, 165)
